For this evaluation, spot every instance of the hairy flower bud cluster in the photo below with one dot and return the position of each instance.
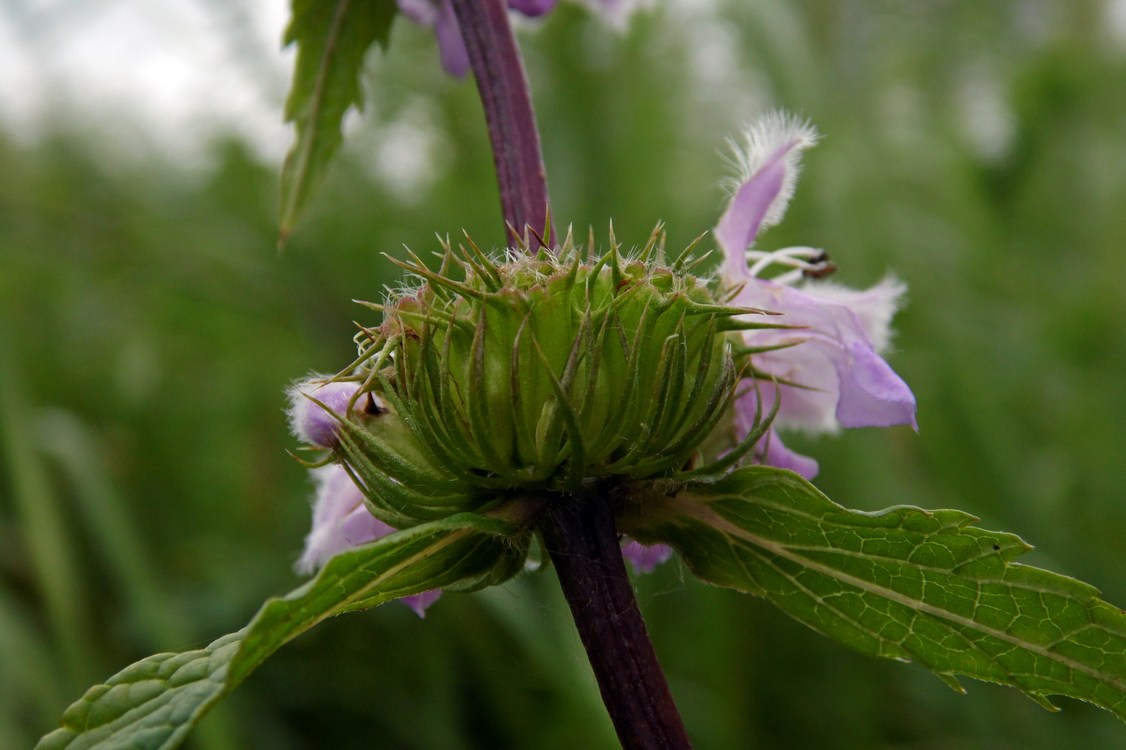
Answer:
(533, 374)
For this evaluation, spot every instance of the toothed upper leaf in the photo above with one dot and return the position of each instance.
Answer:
(332, 40)
(903, 583)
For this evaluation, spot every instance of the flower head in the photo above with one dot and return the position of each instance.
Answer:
(536, 372)
(826, 356)
(528, 373)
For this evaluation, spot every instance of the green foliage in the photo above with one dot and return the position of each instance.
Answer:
(903, 583)
(333, 38)
(157, 701)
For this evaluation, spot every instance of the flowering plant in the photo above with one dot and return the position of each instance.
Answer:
(603, 403)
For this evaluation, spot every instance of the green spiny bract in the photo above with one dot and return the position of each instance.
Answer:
(535, 374)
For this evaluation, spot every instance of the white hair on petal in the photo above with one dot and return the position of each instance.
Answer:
(761, 139)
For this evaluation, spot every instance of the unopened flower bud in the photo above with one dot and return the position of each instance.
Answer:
(316, 406)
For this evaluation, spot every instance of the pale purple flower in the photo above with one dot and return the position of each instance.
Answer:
(439, 15)
(645, 557)
(341, 521)
(311, 422)
(829, 366)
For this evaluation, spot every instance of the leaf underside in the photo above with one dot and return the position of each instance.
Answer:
(155, 702)
(903, 583)
(332, 40)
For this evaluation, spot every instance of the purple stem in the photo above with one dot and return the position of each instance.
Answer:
(578, 530)
(503, 87)
(580, 536)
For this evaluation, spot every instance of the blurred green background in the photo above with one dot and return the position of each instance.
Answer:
(149, 325)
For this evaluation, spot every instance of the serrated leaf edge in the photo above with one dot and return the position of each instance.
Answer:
(698, 507)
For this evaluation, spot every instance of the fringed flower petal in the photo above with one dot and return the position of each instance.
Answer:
(826, 362)
(831, 376)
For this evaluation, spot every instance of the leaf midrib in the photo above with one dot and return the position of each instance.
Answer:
(711, 518)
(823, 519)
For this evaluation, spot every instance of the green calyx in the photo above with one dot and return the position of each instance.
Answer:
(536, 374)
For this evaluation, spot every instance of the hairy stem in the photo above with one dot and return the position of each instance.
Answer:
(581, 538)
(503, 87)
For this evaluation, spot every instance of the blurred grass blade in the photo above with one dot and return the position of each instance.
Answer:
(552, 644)
(103, 513)
(903, 583)
(42, 521)
(104, 518)
(332, 38)
(155, 702)
(32, 684)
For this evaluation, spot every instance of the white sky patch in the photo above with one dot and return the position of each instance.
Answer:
(406, 154)
(716, 66)
(901, 113)
(986, 118)
(20, 98)
(617, 12)
(172, 74)
(1115, 12)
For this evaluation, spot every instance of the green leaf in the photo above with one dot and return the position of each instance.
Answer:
(157, 701)
(903, 583)
(333, 38)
